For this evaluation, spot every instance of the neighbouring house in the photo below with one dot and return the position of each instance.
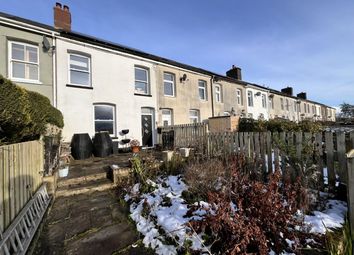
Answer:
(257, 102)
(103, 86)
(184, 95)
(27, 49)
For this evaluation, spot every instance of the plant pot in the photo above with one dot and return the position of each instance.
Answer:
(135, 149)
(63, 172)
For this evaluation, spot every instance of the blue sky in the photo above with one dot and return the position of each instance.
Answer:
(307, 44)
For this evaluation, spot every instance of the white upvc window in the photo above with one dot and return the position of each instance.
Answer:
(167, 119)
(79, 69)
(218, 94)
(271, 102)
(105, 120)
(264, 101)
(282, 103)
(287, 104)
(202, 90)
(194, 116)
(308, 108)
(23, 62)
(239, 97)
(250, 98)
(142, 80)
(295, 106)
(169, 84)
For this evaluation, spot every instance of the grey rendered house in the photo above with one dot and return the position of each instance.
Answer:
(26, 50)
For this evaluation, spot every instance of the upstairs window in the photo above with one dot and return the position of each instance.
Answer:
(250, 98)
(218, 93)
(169, 84)
(105, 118)
(202, 90)
(79, 70)
(282, 103)
(271, 102)
(194, 116)
(287, 104)
(308, 108)
(141, 80)
(239, 97)
(264, 101)
(23, 62)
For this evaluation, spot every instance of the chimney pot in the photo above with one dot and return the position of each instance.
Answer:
(62, 17)
(288, 90)
(302, 95)
(234, 72)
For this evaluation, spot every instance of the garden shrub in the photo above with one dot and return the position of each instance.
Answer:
(279, 125)
(250, 216)
(203, 177)
(14, 111)
(24, 114)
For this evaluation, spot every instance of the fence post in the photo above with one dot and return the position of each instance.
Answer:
(350, 188)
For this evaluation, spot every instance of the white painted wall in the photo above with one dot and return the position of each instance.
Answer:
(112, 81)
(257, 108)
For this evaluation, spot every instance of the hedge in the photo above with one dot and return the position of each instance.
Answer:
(277, 125)
(24, 114)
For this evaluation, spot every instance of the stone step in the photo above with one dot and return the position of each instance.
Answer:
(67, 182)
(85, 187)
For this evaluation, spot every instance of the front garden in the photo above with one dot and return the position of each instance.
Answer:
(201, 205)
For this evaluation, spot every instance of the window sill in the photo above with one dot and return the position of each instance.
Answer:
(78, 86)
(143, 95)
(169, 96)
(26, 81)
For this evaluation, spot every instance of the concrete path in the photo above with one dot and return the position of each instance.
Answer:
(87, 217)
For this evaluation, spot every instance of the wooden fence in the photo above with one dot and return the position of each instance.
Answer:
(21, 171)
(271, 150)
(186, 135)
(327, 149)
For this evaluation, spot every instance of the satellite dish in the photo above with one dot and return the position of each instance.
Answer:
(46, 44)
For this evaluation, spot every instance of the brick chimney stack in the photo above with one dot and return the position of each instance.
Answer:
(288, 91)
(234, 72)
(302, 95)
(62, 17)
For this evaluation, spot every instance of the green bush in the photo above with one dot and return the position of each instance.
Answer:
(278, 125)
(24, 114)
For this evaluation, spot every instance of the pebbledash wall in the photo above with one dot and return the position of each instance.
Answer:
(112, 83)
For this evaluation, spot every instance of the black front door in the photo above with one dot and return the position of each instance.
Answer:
(146, 128)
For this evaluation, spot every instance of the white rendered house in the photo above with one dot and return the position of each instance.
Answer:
(257, 102)
(102, 89)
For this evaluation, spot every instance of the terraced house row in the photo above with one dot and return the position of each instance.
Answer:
(103, 86)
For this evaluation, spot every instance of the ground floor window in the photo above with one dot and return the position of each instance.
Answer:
(167, 117)
(105, 118)
(194, 116)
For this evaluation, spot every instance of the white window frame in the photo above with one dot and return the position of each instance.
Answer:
(147, 82)
(10, 61)
(114, 117)
(172, 83)
(78, 70)
(203, 87)
(170, 114)
(282, 103)
(193, 117)
(218, 93)
(287, 104)
(264, 100)
(271, 102)
(250, 98)
(239, 97)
